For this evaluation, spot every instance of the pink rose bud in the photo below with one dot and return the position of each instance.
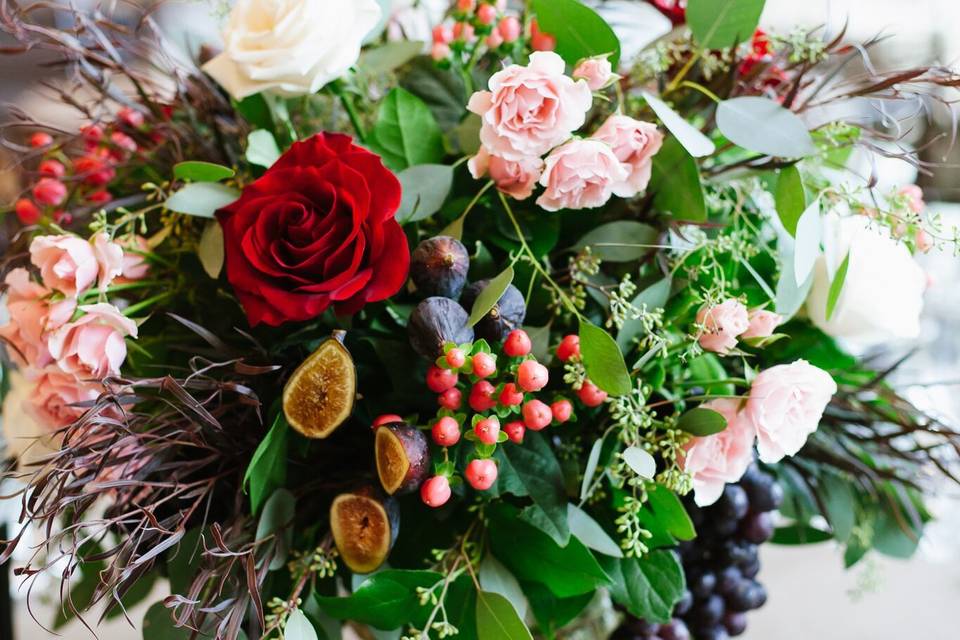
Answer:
(494, 40)
(514, 178)
(439, 51)
(67, 263)
(487, 14)
(581, 174)
(597, 71)
(914, 197)
(49, 191)
(634, 142)
(40, 139)
(713, 461)
(27, 212)
(722, 324)
(93, 346)
(762, 324)
(923, 240)
(464, 31)
(443, 34)
(52, 169)
(509, 28)
(130, 117)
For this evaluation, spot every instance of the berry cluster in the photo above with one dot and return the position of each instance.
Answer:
(486, 23)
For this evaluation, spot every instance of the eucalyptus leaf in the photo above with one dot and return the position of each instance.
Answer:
(719, 24)
(791, 198)
(210, 249)
(425, 187)
(807, 247)
(298, 627)
(603, 360)
(590, 533)
(262, 148)
(579, 30)
(621, 241)
(696, 143)
(640, 461)
(201, 199)
(496, 578)
(836, 286)
(593, 459)
(498, 620)
(539, 342)
(375, 61)
(199, 171)
(790, 297)
(490, 295)
(676, 183)
(762, 125)
(702, 422)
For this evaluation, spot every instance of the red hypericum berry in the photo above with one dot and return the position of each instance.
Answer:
(486, 14)
(94, 171)
(517, 343)
(536, 415)
(484, 365)
(591, 395)
(466, 5)
(515, 431)
(481, 397)
(511, 396)
(442, 34)
(450, 399)
(100, 197)
(435, 491)
(385, 418)
(62, 217)
(41, 139)
(92, 133)
(509, 28)
(540, 41)
(440, 51)
(488, 430)
(49, 191)
(532, 376)
(445, 432)
(481, 473)
(562, 410)
(27, 212)
(52, 169)
(123, 144)
(130, 117)
(439, 380)
(494, 40)
(464, 31)
(456, 358)
(569, 347)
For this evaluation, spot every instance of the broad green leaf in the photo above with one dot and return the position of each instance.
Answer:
(761, 125)
(592, 461)
(386, 600)
(201, 199)
(603, 360)
(158, 625)
(467, 134)
(406, 133)
(198, 171)
(498, 620)
(490, 296)
(375, 61)
(298, 627)
(647, 587)
(791, 198)
(640, 461)
(839, 504)
(262, 149)
(579, 30)
(790, 297)
(836, 286)
(552, 612)
(424, 188)
(708, 371)
(532, 469)
(719, 24)
(653, 297)
(702, 422)
(443, 92)
(589, 532)
(496, 578)
(798, 534)
(210, 249)
(461, 607)
(277, 516)
(621, 241)
(669, 511)
(268, 467)
(807, 248)
(676, 183)
(696, 144)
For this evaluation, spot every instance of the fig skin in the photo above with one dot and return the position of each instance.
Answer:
(439, 267)
(436, 321)
(504, 317)
(365, 524)
(401, 449)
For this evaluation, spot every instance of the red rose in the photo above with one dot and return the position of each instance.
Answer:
(316, 229)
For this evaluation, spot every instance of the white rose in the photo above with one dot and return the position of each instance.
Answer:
(882, 295)
(290, 47)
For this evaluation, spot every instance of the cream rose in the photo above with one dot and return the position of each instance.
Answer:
(290, 47)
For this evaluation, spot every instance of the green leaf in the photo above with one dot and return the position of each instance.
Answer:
(653, 297)
(647, 587)
(262, 148)
(461, 607)
(268, 467)
(702, 422)
(386, 600)
(798, 534)
(761, 125)
(406, 133)
(442, 91)
(540, 342)
(790, 297)
(377, 61)
(496, 578)
(621, 241)
(277, 517)
(696, 144)
(839, 504)
(552, 612)
(425, 187)
(676, 183)
(579, 30)
(669, 511)
(532, 470)
(490, 295)
(497, 619)
(791, 198)
(603, 360)
(198, 171)
(298, 627)
(707, 370)
(807, 248)
(210, 249)
(640, 461)
(836, 286)
(589, 532)
(158, 625)
(719, 24)
(592, 461)
(201, 199)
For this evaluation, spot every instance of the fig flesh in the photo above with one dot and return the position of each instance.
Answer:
(504, 317)
(439, 267)
(365, 525)
(435, 322)
(319, 395)
(403, 457)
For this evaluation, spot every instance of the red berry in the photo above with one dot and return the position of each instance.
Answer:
(481, 473)
(515, 431)
(92, 133)
(446, 432)
(591, 395)
(450, 399)
(123, 144)
(62, 217)
(466, 5)
(511, 396)
(101, 196)
(562, 410)
(486, 14)
(488, 430)
(532, 376)
(481, 397)
(27, 212)
(456, 358)
(52, 169)
(41, 139)
(442, 34)
(130, 117)
(484, 365)
(569, 347)
(509, 28)
(94, 171)
(439, 380)
(49, 191)
(517, 343)
(536, 415)
(386, 418)
(435, 491)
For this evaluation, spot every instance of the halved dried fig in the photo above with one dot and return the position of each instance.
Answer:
(403, 457)
(365, 525)
(319, 395)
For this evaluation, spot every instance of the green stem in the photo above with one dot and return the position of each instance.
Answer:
(351, 110)
(702, 89)
(134, 308)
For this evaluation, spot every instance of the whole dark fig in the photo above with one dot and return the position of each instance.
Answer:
(436, 321)
(504, 317)
(439, 267)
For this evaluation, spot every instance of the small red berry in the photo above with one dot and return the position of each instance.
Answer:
(511, 396)
(101, 196)
(591, 395)
(442, 34)
(94, 171)
(466, 5)
(532, 376)
(52, 169)
(484, 365)
(435, 491)
(569, 347)
(62, 217)
(562, 410)
(450, 399)
(464, 32)
(123, 144)
(481, 473)
(386, 418)
(486, 14)
(515, 431)
(439, 380)
(456, 358)
(481, 397)
(41, 139)
(509, 28)
(92, 133)
(49, 191)
(130, 117)
(517, 343)
(536, 415)
(27, 212)
(488, 430)
(446, 432)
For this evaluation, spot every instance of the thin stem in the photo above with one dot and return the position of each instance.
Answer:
(681, 75)
(351, 110)
(134, 308)
(702, 89)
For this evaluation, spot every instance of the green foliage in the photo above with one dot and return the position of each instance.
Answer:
(718, 24)
(277, 519)
(836, 286)
(762, 125)
(791, 198)
(621, 241)
(406, 133)
(201, 199)
(579, 30)
(425, 187)
(490, 295)
(603, 360)
(695, 143)
(198, 171)
(386, 600)
(676, 183)
(262, 148)
(590, 533)
(647, 587)
(298, 627)
(497, 619)
(267, 470)
(158, 625)
(701, 422)
(443, 92)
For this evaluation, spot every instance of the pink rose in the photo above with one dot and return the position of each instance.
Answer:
(93, 346)
(785, 405)
(914, 197)
(580, 175)
(67, 263)
(134, 265)
(596, 71)
(516, 178)
(713, 461)
(55, 392)
(31, 315)
(634, 143)
(762, 324)
(722, 324)
(530, 110)
(109, 259)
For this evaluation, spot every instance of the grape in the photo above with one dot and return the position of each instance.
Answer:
(702, 585)
(735, 623)
(729, 579)
(711, 633)
(733, 504)
(757, 527)
(708, 612)
(683, 606)
(676, 629)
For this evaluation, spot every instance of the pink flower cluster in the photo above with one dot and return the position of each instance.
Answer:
(783, 408)
(473, 20)
(722, 325)
(64, 346)
(533, 110)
